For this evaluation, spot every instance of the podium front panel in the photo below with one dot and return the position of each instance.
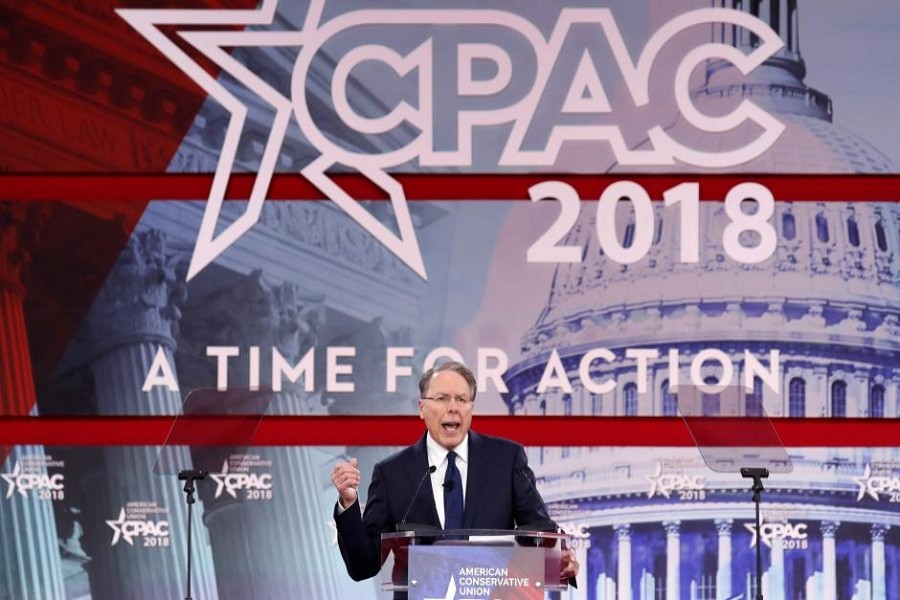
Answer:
(489, 564)
(476, 571)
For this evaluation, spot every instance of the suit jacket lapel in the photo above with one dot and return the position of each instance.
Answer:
(426, 494)
(474, 479)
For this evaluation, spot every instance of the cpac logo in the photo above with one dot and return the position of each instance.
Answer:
(232, 482)
(25, 482)
(792, 536)
(874, 485)
(664, 484)
(124, 529)
(546, 89)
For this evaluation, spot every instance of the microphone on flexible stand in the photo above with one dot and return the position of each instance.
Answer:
(431, 469)
(546, 524)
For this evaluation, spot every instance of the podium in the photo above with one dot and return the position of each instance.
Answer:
(473, 563)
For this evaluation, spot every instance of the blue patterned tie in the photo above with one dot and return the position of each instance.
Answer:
(453, 495)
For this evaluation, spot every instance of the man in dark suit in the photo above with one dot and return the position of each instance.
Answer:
(492, 486)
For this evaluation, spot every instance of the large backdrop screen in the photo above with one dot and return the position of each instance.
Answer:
(663, 234)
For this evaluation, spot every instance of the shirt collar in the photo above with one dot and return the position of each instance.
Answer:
(437, 453)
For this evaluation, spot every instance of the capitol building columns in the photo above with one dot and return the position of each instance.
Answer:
(673, 559)
(774, 578)
(819, 384)
(581, 544)
(623, 575)
(772, 399)
(858, 391)
(826, 301)
(30, 567)
(892, 397)
(296, 470)
(723, 571)
(129, 326)
(829, 559)
(254, 532)
(635, 564)
(879, 573)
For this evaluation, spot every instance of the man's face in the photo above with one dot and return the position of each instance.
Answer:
(448, 422)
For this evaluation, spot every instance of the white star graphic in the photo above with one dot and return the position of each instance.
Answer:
(116, 525)
(863, 483)
(451, 591)
(210, 43)
(654, 483)
(219, 478)
(751, 527)
(10, 479)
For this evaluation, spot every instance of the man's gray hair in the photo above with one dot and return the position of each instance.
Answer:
(456, 367)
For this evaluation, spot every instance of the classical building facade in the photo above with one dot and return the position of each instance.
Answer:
(85, 105)
(646, 527)
(828, 300)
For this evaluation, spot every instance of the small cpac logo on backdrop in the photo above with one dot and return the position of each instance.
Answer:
(684, 487)
(47, 487)
(257, 486)
(437, 126)
(126, 527)
(876, 485)
(792, 535)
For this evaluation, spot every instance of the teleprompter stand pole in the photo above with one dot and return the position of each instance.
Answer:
(757, 474)
(188, 477)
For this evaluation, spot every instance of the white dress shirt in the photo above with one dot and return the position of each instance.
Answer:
(437, 455)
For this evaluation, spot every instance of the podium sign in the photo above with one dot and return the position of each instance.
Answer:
(476, 571)
(473, 564)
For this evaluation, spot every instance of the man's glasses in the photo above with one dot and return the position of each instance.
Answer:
(444, 399)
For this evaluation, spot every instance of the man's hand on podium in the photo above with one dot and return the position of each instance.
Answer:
(569, 565)
(345, 477)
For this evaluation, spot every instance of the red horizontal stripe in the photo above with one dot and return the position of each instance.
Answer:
(403, 430)
(195, 186)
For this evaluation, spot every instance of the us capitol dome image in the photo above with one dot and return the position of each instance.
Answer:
(657, 523)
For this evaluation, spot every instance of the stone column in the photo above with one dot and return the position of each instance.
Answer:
(723, 573)
(623, 578)
(892, 397)
(858, 393)
(879, 582)
(829, 559)
(277, 544)
(131, 323)
(314, 569)
(776, 569)
(30, 566)
(819, 400)
(673, 559)
(581, 547)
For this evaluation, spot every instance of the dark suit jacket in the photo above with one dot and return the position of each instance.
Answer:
(498, 496)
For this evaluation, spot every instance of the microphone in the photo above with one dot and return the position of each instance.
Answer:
(431, 469)
(191, 474)
(545, 524)
(548, 525)
(757, 474)
(448, 485)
